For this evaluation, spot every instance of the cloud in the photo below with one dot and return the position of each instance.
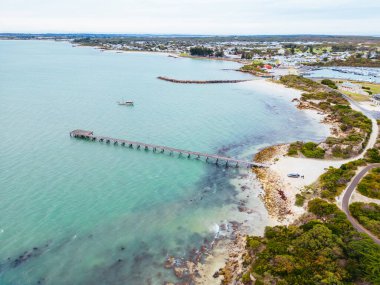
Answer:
(191, 16)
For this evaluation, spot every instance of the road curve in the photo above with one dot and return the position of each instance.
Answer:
(346, 201)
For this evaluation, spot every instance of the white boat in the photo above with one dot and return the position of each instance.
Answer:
(126, 103)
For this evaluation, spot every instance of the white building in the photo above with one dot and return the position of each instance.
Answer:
(351, 87)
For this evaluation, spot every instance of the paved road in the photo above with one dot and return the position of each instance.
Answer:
(346, 200)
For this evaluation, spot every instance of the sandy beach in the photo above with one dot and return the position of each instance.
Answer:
(279, 191)
(224, 255)
(310, 169)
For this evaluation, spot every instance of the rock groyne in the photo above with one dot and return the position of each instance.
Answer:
(199, 81)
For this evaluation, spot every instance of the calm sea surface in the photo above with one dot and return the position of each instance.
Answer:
(78, 212)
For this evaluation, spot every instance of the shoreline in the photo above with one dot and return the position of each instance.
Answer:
(225, 258)
(276, 176)
(279, 191)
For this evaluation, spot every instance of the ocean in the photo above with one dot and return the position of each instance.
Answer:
(80, 212)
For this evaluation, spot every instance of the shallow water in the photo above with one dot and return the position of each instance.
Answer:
(79, 212)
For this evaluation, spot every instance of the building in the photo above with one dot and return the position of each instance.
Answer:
(376, 99)
(351, 87)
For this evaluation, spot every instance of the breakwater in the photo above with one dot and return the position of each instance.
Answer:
(199, 81)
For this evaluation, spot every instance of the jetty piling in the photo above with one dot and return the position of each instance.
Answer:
(89, 135)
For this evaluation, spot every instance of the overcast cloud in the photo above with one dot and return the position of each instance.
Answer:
(192, 17)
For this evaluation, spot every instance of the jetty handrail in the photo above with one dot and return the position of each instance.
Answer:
(91, 136)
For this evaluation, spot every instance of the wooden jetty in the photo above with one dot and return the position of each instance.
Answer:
(217, 159)
(199, 81)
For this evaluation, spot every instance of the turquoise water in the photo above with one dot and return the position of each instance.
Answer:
(79, 212)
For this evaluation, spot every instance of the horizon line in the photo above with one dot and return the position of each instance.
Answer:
(183, 34)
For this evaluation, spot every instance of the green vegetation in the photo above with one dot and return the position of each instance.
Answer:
(373, 155)
(324, 249)
(335, 180)
(302, 83)
(355, 125)
(356, 96)
(254, 67)
(294, 148)
(368, 215)
(312, 150)
(300, 200)
(370, 185)
(329, 83)
(201, 51)
(370, 88)
(309, 150)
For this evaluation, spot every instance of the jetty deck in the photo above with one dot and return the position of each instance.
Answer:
(217, 159)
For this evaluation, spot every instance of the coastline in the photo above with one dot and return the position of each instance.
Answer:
(279, 191)
(225, 259)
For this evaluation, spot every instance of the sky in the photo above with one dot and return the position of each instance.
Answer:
(217, 17)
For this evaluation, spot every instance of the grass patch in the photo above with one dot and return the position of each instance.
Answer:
(357, 97)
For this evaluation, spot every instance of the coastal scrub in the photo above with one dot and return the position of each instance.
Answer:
(352, 128)
(334, 180)
(370, 185)
(322, 249)
(367, 214)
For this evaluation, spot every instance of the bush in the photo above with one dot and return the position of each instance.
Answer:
(311, 150)
(300, 82)
(300, 200)
(368, 215)
(293, 148)
(334, 180)
(322, 208)
(329, 83)
(325, 250)
(373, 155)
(201, 51)
(355, 124)
(370, 185)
